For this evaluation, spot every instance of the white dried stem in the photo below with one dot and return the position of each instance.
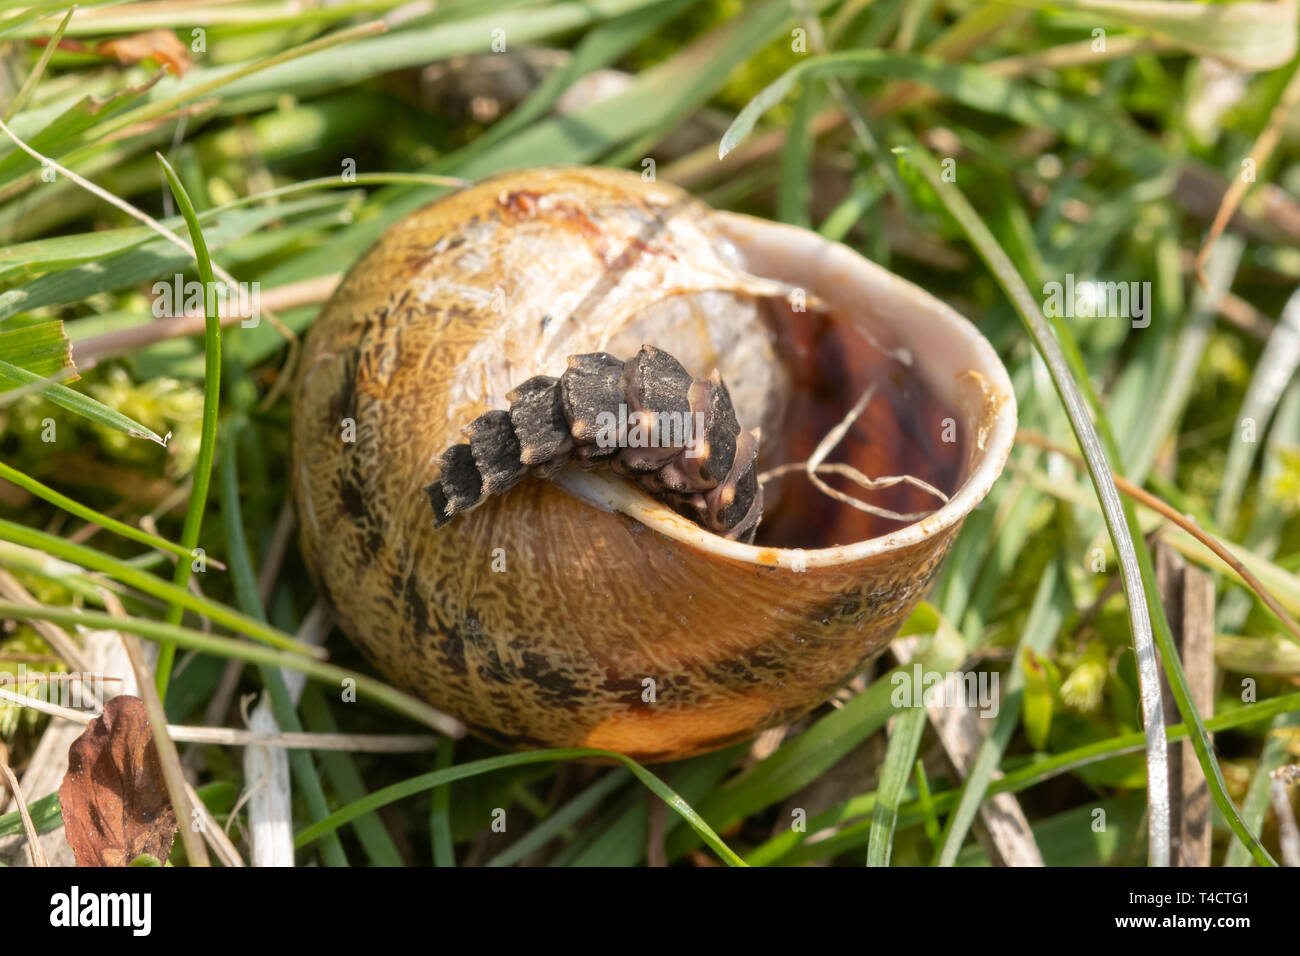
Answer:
(270, 800)
(266, 769)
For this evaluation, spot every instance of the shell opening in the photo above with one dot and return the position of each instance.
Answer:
(904, 438)
(942, 411)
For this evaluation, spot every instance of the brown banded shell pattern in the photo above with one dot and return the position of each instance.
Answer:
(538, 619)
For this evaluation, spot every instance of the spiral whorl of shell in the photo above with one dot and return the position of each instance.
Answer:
(646, 418)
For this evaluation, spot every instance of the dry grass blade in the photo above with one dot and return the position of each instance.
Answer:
(6, 679)
(354, 743)
(173, 773)
(33, 839)
(91, 351)
(45, 707)
(1259, 154)
(214, 834)
(269, 793)
(231, 737)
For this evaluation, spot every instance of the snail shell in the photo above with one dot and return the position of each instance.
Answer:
(580, 611)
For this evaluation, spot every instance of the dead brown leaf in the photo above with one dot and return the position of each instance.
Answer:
(115, 803)
(161, 46)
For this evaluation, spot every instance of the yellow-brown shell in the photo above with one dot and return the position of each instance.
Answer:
(539, 619)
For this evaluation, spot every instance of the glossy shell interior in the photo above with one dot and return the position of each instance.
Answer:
(580, 612)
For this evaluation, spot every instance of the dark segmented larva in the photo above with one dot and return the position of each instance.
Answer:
(684, 445)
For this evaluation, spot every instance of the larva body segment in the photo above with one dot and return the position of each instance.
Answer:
(537, 414)
(646, 417)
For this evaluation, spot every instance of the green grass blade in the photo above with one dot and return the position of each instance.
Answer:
(1086, 127)
(46, 815)
(438, 778)
(621, 836)
(93, 560)
(190, 639)
(13, 377)
(1040, 630)
(34, 77)
(341, 769)
(1265, 537)
(925, 797)
(1099, 471)
(41, 349)
(563, 818)
(794, 195)
(1177, 680)
(202, 475)
(1070, 839)
(286, 715)
(1275, 368)
(789, 848)
(798, 762)
(1246, 36)
(904, 741)
(1147, 614)
(121, 258)
(90, 514)
(444, 849)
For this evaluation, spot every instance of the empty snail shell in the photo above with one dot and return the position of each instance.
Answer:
(564, 602)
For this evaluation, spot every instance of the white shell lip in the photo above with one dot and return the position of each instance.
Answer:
(944, 344)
